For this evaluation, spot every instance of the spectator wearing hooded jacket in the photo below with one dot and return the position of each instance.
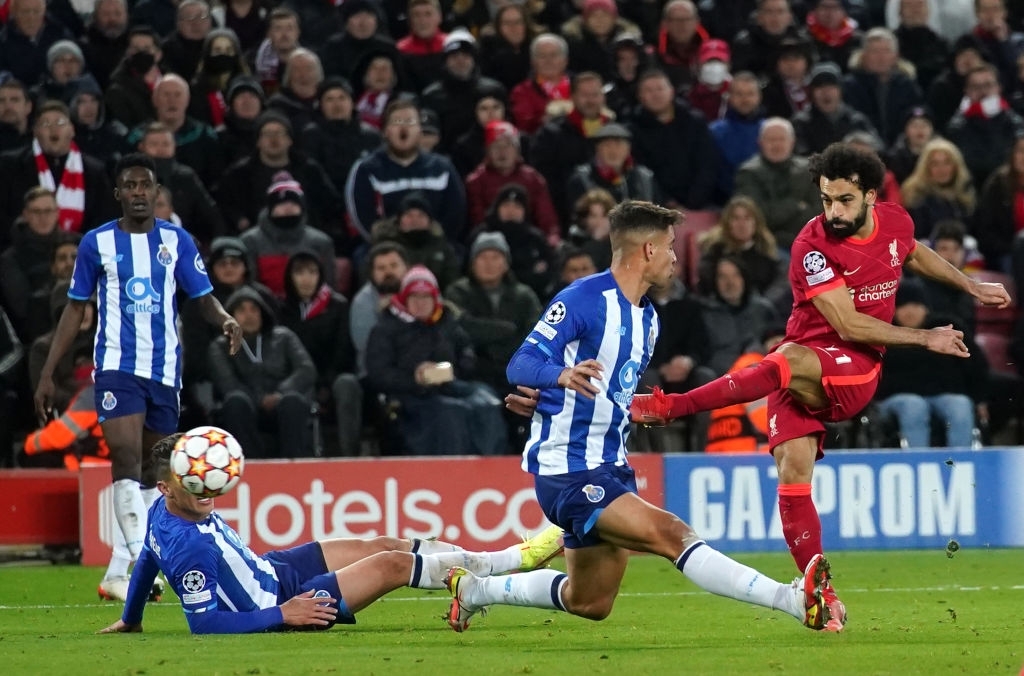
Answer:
(281, 230)
(490, 105)
(96, 133)
(423, 359)
(268, 386)
(503, 165)
(229, 269)
(237, 135)
(629, 59)
(531, 259)
(319, 316)
(343, 51)
(414, 228)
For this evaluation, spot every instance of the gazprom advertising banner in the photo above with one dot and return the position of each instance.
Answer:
(867, 499)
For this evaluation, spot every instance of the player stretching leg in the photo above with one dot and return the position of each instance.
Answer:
(586, 355)
(226, 588)
(135, 265)
(845, 269)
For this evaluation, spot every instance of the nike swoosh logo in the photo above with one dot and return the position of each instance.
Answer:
(850, 272)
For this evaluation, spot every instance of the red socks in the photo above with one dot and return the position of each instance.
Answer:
(800, 523)
(749, 384)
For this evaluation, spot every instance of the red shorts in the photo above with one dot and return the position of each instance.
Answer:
(849, 375)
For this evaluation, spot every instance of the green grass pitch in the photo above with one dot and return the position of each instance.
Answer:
(911, 612)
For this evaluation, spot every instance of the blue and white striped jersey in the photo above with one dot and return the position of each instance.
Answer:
(207, 565)
(136, 277)
(590, 319)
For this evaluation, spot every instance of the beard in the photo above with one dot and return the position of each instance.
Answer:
(389, 285)
(840, 229)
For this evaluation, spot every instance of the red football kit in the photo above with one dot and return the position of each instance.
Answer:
(871, 269)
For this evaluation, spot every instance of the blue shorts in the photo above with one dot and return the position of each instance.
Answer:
(119, 394)
(303, 568)
(574, 501)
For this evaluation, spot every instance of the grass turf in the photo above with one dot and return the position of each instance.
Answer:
(911, 612)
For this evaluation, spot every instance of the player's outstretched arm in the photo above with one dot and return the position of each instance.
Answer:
(214, 312)
(838, 308)
(67, 328)
(926, 263)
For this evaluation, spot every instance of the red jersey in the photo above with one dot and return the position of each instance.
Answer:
(870, 268)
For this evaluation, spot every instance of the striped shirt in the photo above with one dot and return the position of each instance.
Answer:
(590, 319)
(136, 278)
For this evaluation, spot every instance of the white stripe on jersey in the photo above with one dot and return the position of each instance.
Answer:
(142, 267)
(170, 361)
(608, 353)
(240, 568)
(110, 290)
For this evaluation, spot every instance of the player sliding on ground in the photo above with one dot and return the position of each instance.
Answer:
(845, 270)
(226, 588)
(586, 355)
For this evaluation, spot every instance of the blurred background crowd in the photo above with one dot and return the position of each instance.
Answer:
(388, 193)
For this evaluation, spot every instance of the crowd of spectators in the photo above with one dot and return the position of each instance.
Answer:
(387, 192)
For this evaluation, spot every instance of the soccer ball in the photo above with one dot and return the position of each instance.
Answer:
(208, 461)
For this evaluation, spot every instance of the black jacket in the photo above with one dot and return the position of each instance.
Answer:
(454, 101)
(128, 97)
(398, 347)
(192, 202)
(24, 271)
(336, 145)
(682, 154)
(815, 131)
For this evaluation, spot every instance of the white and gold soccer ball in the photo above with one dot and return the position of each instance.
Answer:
(208, 461)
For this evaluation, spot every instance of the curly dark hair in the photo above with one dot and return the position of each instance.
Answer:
(841, 160)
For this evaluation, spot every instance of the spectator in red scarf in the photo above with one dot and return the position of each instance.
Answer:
(613, 169)
(220, 63)
(548, 81)
(422, 50)
(994, 32)
(679, 39)
(503, 165)
(834, 33)
(564, 143)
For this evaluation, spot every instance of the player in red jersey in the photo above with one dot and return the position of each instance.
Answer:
(845, 269)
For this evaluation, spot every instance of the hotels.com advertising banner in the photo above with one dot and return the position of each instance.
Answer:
(479, 503)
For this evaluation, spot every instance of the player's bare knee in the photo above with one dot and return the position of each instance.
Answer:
(388, 544)
(591, 609)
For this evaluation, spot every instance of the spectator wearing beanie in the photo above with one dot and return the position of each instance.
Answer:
(336, 138)
(422, 237)
(281, 230)
(65, 74)
(422, 50)
(454, 95)
(245, 101)
(239, 188)
(96, 133)
(499, 309)
(503, 165)
(828, 119)
(590, 36)
(489, 104)
(531, 258)
(423, 359)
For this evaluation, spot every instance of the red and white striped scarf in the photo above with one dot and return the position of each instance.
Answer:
(71, 191)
